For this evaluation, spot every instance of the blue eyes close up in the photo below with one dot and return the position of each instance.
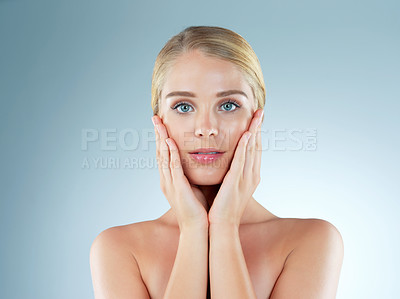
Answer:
(183, 107)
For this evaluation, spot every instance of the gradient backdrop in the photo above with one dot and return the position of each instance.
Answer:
(75, 81)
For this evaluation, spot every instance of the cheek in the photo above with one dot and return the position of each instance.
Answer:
(176, 130)
(234, 133)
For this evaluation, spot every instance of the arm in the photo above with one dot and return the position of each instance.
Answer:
(312, 269)
(229, 277)
(115, 273)
(189, 274)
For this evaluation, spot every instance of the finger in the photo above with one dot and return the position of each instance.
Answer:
(256, 121)
(161, 164)
(257, 157)
(240, 154)
(155, 122)
(175, 160)
(249, 156)
(251, 147)
(258, 143)
(164, 152)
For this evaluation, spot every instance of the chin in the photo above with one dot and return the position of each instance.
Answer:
(205, 177)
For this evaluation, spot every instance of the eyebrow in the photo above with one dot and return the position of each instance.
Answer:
(219, 94)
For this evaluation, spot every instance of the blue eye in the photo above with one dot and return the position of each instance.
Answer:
(182, 107)
(229, 105)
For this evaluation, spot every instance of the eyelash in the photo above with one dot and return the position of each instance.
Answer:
(237, 105)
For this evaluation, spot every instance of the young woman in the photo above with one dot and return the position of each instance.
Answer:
(216, 241)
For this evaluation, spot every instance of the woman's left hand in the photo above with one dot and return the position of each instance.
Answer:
(242, 179)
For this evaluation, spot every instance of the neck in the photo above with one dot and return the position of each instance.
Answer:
(253, 213)
(209, 192)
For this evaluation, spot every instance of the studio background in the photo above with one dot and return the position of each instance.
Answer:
(69, 69)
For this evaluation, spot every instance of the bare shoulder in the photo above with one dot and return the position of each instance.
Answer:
(301, 230)
(125, 237)
(317, 233)
(320, 238)
(113, 262)
(313, 265)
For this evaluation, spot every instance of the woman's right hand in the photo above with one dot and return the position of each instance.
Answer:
(186, 201)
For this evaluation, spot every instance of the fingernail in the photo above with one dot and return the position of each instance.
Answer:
(261, 117)
(158, 129)
(248, 135)
(168, 142)
(152, 119)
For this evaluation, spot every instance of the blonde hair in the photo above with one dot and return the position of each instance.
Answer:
(214, 42)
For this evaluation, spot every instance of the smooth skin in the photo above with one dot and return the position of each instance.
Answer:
(223, 219)
(216, 240)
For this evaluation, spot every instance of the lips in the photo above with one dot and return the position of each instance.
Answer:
(210, 150)
(206, 155)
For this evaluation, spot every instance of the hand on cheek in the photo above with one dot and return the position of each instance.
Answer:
(242, 179)
(187, 202)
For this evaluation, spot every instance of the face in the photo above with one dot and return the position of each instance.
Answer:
(206, 103)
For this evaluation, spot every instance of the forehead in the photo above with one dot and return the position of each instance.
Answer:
(201, 74)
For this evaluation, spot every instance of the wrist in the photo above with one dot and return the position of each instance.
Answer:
(225, 227)
(194, 228)
(225, 221)
(218, 219)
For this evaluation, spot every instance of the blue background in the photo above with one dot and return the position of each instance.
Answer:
(69, 66)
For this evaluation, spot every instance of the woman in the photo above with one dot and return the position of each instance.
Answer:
(216, 241)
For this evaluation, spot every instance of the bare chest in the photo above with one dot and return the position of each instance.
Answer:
(264, 254)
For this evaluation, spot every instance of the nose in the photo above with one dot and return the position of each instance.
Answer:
(205, 126)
